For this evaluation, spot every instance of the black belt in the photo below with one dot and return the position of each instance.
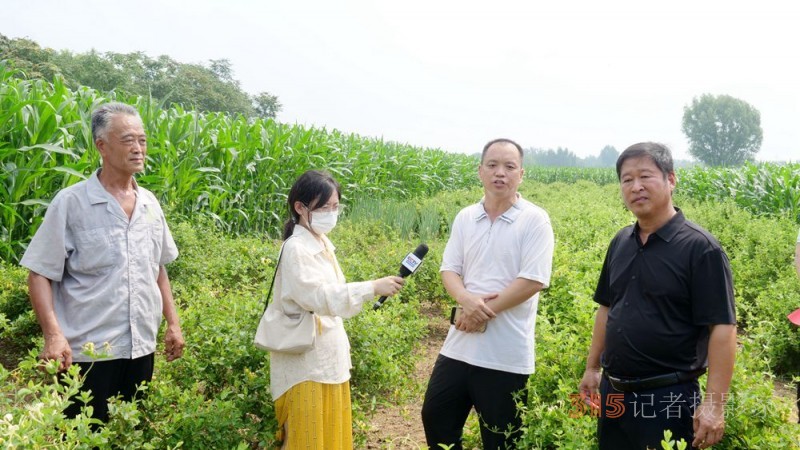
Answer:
(643, 384)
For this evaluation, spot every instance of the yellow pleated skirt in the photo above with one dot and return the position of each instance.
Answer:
(315, 416)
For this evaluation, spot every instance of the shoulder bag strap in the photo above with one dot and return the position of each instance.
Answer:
(275, 275)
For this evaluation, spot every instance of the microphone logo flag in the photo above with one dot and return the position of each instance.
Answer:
(412, 262)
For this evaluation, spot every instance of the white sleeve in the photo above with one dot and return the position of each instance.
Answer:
(51, 245)
(453, 255)
(537, 251)
(314, 287)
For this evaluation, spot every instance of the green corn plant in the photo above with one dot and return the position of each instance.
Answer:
(234, 170)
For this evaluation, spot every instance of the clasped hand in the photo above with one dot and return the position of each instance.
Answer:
(476, 312)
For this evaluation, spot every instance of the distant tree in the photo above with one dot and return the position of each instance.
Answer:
(266, 105)
(608, 156)
(27, 56)
(528, 157)
(197, 86)
(560, 157)
(204, 87)
(91, 69)
(223, 70)
(722, 130)
(589, 161)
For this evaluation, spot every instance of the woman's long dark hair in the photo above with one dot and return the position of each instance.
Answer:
(313, 186)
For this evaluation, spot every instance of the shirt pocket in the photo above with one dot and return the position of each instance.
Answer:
(95, 251)
(156, 232)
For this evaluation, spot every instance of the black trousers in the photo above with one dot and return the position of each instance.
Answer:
(455, 387)
(106, 379)
(637, 420)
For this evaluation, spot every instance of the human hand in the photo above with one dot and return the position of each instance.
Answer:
(589, 388)
(709, 423)
(56, 347)
(173, 343)
(468, 325)
(388, 286)
(478, 315)
(475, 308)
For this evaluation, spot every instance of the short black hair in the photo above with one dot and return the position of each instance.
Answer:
(502, 141)
(658, 153)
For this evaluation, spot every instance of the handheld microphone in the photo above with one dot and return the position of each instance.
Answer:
(409, 265)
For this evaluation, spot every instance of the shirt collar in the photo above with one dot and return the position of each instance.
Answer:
(310, 242)
(98, 194)
(510, 215)
(669, 229)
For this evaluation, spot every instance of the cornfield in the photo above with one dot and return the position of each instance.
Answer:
(547, 175)
(237, 172)
(763, 189)
(234, 170)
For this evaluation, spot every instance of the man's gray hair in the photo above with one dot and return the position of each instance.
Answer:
(101, 117)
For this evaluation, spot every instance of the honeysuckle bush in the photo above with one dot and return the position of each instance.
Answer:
(18, 327)
(226, 281)
(217, 395)
(585, 217)
(223, 181)
(32, 405)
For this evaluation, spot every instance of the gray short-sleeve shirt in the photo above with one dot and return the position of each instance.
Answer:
(103, 267)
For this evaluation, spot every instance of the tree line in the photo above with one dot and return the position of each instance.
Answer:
(208, 87)
(563, 157)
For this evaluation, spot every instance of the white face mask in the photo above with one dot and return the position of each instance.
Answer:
(323, 222)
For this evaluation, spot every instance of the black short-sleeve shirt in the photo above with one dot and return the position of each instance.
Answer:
(662, 297)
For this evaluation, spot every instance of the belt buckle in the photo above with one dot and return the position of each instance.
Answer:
(617, 383)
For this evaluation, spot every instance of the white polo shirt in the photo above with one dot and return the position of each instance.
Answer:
(488, 257)
(103, 268)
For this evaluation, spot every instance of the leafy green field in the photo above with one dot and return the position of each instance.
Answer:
(223, 182)
(217, 396)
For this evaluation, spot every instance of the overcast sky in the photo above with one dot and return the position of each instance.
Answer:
(453, 74)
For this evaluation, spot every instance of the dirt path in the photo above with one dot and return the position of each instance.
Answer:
(398, 427)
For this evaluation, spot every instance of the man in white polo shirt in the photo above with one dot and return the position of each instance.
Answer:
(499, 256)
(97, 271)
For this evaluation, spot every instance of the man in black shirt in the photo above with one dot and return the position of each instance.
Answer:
(666, 315)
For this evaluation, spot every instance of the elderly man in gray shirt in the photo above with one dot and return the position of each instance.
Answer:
(97, 275)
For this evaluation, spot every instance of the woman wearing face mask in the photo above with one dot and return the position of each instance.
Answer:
(312, 389)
